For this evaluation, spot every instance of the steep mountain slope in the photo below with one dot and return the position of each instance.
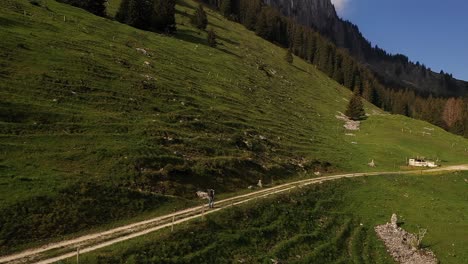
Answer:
(100, 121)
(394, 70)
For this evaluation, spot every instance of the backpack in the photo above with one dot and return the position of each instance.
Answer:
(211, 192)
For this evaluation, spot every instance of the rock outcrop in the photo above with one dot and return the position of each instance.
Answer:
(401, 244)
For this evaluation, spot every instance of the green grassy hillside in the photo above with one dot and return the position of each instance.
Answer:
(329, 223)
(93, 130)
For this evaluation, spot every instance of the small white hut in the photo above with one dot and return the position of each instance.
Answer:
(421, 162)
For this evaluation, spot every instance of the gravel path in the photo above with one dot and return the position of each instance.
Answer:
(54, 252)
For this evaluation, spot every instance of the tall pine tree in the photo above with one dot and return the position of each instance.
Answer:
(136, 13)
(211, 38)
(355, 110)
(163, 18)
(289, 56)
(97, 7)
(226, 8)
(199, 18)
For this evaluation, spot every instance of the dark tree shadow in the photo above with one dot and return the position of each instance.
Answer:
(300, 69)
(228, 41)
(186, 14)
(187, 35)
(216, 26)
(229, 52)
(429, 246)
(184, 4)
(4, 22)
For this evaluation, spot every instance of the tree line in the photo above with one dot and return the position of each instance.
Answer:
(157, 15)
(97, 7)
(338, 64)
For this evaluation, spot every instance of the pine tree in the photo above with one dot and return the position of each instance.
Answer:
(355, 110)
(261, 27)
(199, 18)
(297, 41)
(163, 18)
(289, 56)
(136, 13)
(249, 12)
(122, 12)
(211, 38)
(226, 8)
(97, 7)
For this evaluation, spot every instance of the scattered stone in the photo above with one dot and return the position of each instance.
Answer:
(349, 124)
(147, 63)
(259, 184)
(317, 173)
(400, 244)
(148, 77)
(142, 51)
(394, 221)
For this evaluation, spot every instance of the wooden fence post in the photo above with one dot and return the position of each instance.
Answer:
(172, 226)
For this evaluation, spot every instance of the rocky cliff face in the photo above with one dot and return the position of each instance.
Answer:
(394, 71)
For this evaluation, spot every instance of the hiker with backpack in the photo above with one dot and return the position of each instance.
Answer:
(211, 197)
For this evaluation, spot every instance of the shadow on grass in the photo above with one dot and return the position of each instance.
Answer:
(184, 4)
(300, 69)
(228, 41)
(4, 22)
(217, 26)
(188, 35)
(229, 52)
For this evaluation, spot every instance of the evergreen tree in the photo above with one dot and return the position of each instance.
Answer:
(163, 18)
(355, 110)
(226, 8)
(97, 7)
(211, 38)
(199, 18)
(289, 56)
(136, 13)
(249, 12)
(261, 28)
(122, 12)
(298, 41)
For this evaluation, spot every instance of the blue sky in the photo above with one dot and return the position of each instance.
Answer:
(432, 32)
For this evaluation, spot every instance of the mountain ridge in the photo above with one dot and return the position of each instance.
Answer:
(394, 70)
